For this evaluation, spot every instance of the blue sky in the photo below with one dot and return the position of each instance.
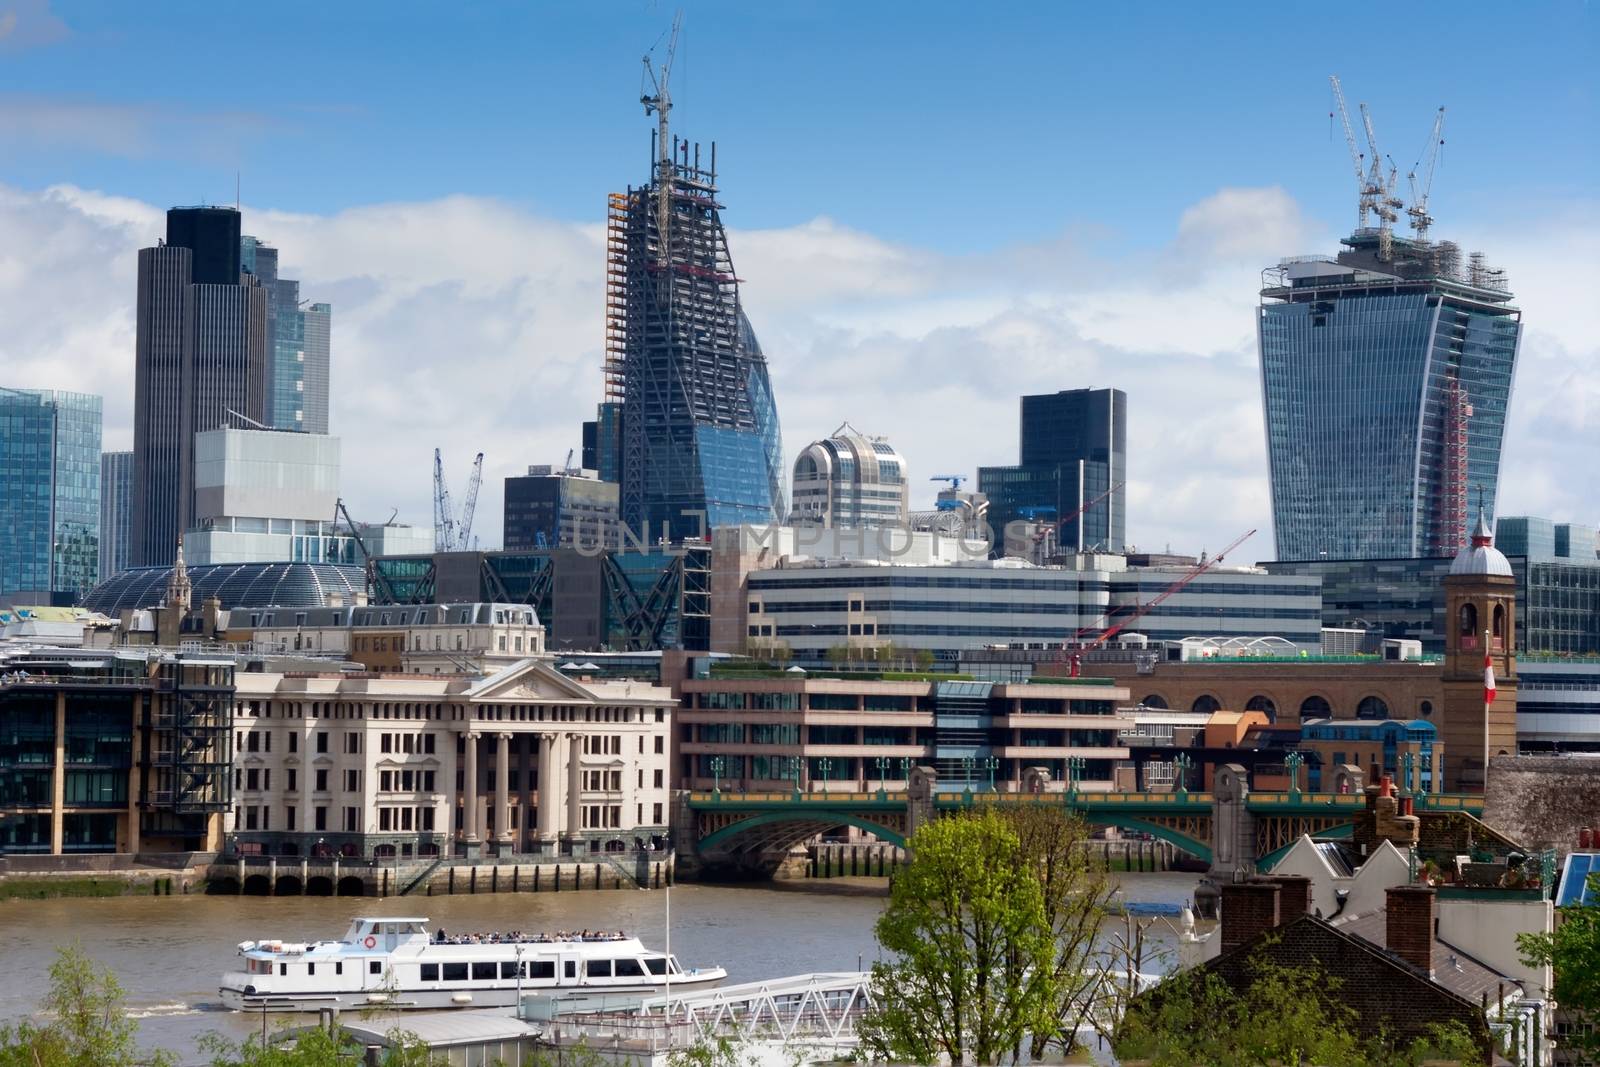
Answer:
(952, 126)
(936, 207)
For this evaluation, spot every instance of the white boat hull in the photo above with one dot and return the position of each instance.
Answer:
(244, 998)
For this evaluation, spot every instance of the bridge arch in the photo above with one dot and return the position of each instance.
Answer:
(802, 824)
(1199, 849)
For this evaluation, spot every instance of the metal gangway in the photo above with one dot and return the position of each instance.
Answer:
(819, 1009)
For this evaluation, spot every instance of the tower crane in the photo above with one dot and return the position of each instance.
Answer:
(1381, 188)
(451, 534)
(444, 537)
(1142, 609)
(1367, 197)
(1420, 219)
(659, 104)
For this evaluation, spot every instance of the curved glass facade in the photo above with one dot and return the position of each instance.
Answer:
(237, 585)
(1383, 395)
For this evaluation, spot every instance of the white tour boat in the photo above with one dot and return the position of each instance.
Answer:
(399, 964)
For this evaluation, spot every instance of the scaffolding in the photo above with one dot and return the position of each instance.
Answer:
(616, 349)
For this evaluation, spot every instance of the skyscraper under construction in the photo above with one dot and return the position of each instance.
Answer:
(1385, 377)
(689, 427)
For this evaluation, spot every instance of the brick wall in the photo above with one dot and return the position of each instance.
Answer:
(1409, 924)
(1294, 896)
(1248, 909)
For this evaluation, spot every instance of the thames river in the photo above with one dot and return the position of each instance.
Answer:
(170, 951)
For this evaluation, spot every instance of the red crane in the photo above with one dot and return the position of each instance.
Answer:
(1189, 576)
(1082, 509)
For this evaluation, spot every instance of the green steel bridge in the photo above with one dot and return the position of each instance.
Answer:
(733, 825)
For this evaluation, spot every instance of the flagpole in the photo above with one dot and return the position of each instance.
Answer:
(1488, 700)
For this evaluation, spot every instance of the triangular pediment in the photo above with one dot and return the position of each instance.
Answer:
(530, 681)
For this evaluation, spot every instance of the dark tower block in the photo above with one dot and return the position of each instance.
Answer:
(1481, 610)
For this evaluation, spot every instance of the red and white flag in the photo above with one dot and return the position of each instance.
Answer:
(1488, 679)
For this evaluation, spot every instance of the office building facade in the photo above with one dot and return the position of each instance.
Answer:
(686, 381)
(298, 343)
(201, 352)
(550, 508)
(1385, 384)
(850, 479)
(1072, 470)
(49, 494)
(266, 496)
(811, 607)
(116, 511)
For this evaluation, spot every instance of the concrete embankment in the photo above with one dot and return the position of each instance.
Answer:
(49, 877)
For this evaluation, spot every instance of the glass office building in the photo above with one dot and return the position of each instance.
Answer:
(1385, 383)
(698, 439)
(116, 511)
(1074, 460)
(298, 342)
(49, 494)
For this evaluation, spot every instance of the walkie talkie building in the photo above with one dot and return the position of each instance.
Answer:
(1385, 377)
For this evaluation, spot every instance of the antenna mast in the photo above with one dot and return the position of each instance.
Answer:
(660, 105)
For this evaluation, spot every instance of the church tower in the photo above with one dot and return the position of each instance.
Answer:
(1480, 637)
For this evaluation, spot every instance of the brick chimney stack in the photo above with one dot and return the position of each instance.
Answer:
(1409, 926)
(1248, 909)
(1294, 896)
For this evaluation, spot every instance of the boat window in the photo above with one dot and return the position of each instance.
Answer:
(455, 972)
(483, 970)
(311, 968)
(629, 969)
(283, 968)
(338, 968)
(570, 969)
(375, 967)
(597, 968)
(545, 969)
(508, 969)
(656, 964)
(430, 972)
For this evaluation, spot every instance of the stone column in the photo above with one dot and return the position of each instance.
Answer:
(575, 785)
(305, 822)
(524, 798)
(502, 789)
(469, 814)
(549, 792)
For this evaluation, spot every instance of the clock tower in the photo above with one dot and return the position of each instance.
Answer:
(1480, 643)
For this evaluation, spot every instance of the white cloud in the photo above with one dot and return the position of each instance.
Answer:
(469, 324)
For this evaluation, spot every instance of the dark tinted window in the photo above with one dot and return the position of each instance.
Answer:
(455, 972)
(657, 964)
(597, 968)
(482, 970)
(572, 969)
(629, 969)
(540, 969)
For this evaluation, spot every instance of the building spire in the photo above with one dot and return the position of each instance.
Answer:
(1482, 536)
(179, 588)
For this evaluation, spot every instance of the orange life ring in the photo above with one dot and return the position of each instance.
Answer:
(370, 942)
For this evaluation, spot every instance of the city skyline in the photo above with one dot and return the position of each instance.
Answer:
(951, 330)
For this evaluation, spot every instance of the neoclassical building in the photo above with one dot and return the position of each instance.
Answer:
(525, 760)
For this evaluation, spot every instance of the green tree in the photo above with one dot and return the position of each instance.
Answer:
(89, 1024)
(972, 972)
(1573, 955)
(1285, 1015)
(1076, 892)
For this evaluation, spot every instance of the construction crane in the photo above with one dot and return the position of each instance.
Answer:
(1420, 219)
(1366, 196)
(659, 103)
(1190, 575)
(954, 480)
(449, 533)
(1384, 204)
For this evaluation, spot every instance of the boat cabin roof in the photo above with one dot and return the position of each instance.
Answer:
(387, 924)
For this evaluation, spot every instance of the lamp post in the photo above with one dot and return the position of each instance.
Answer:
(991, 764)
(1075, 765)
(717, 767)
(1292, 763)
(1407, 762)
(796, 765)
(882, 763)
(825, 765)
(1180, 773)
(966, 772)
(905, 770)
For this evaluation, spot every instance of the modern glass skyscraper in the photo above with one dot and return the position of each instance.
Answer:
(1385, 383)
(297, 373)
(201, 351)
(116, 511)
(1074, 461)
(49, 493)
(697, 426)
